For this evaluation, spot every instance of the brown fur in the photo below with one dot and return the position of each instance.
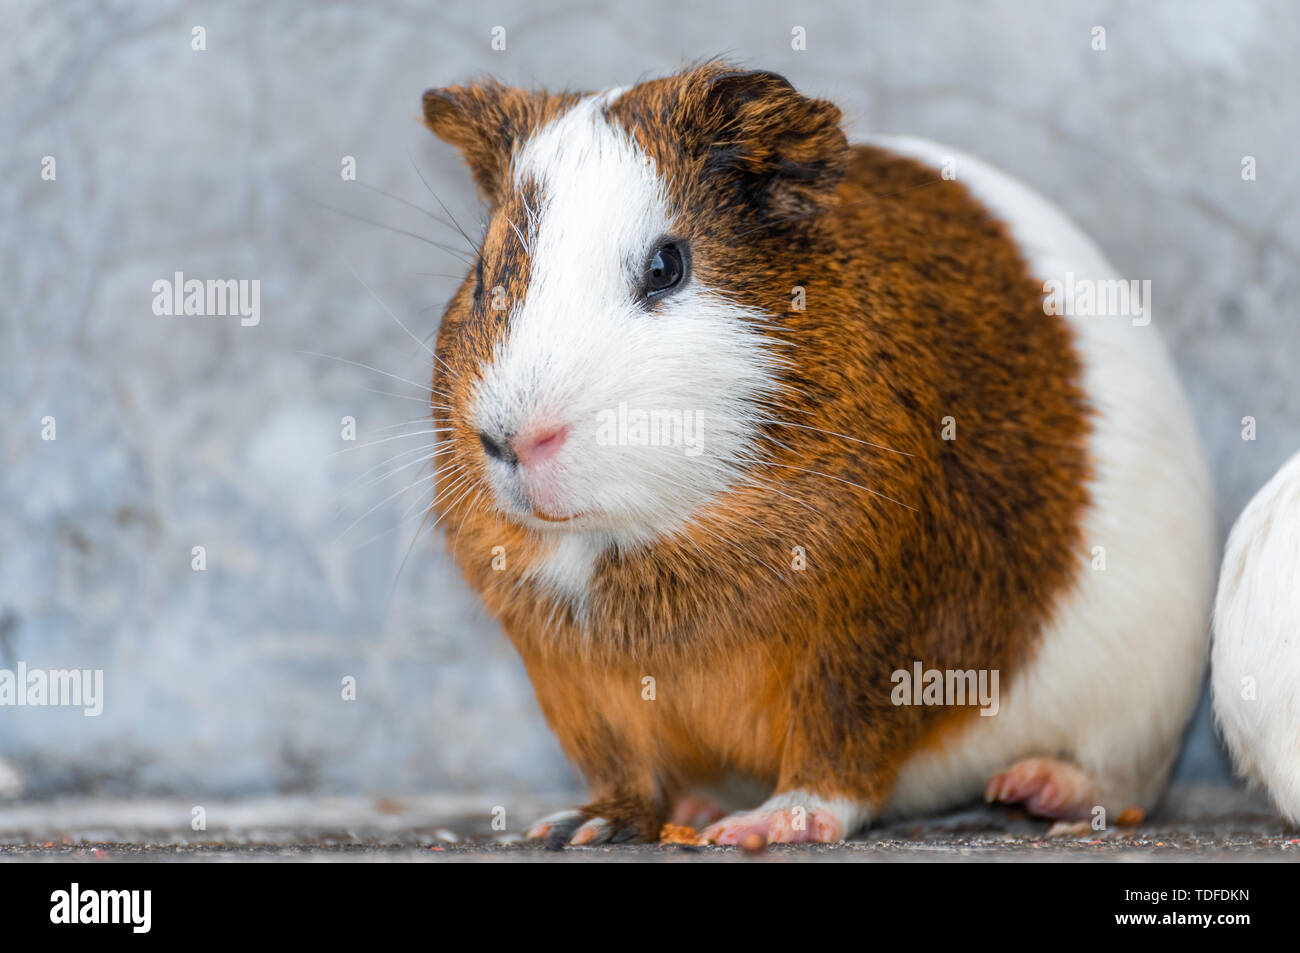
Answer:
(919, 307)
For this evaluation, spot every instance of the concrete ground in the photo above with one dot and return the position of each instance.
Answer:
(1196, 824)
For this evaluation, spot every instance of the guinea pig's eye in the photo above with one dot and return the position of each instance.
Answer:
(665, 270)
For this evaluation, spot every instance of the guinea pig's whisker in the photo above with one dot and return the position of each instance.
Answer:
(422, 210)
(798, 410)
(437, 274)
(406, 519)
(400, 436)
(388, 474)
(424, 400)
(769, 488)
(519, 235)
(726, 518)
(828, 476)
(409, 332)
(434, 448)
(528, 209)
(390, 497)
(423, 499)
(831, 433)
(730, 544)
(343, 360)
(343, 506)
(380, 535)
(455, 468)
(423, 419)
(443, 205)
(450, 507)
(742, 470)
(449, 249)
(746, 553)
(427, 453)
(407, 555)
(772, 440)
(423, 455)
(469, 508)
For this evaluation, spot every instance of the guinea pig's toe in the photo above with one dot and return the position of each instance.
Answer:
(731, 830)
(776, 827)
(1045, 787)
(602, 830)
(595, 831)
(782, 820)
(608, 821)
(556, 827)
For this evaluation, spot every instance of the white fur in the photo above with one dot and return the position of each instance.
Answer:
(852, 815)
(1121, 661)
(567, 569)
(581, 344)
(778, 813)
(1256, 654)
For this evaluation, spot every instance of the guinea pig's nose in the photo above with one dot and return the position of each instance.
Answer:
(497, 449)
(537, 446)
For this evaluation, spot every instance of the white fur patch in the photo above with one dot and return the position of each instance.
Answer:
(790, 814)
(567, 568)
(1256, 654)
(582, 350)
(1121, 661)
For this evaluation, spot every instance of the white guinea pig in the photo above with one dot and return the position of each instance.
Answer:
(1256, 654)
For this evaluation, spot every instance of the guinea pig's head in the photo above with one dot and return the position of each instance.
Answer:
(610, 360)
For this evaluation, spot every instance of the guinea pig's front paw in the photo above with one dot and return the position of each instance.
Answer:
(608, 821)
(792, 818)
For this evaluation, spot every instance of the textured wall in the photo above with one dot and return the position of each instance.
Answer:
(174, 432)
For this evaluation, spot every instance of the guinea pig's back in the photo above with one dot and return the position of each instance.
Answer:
(1120, 663)
(1256, 654)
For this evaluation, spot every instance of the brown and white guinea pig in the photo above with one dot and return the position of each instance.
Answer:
(1256, 655)
(747, 426)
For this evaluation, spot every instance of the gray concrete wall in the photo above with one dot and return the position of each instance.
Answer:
(175, 432)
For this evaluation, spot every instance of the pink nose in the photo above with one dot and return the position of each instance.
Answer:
(538, 446)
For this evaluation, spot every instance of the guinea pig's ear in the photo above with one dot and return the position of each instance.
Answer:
(485, 121)
(753, 130)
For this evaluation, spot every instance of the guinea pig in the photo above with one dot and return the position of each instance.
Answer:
(772, 453)
(1255, 659)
